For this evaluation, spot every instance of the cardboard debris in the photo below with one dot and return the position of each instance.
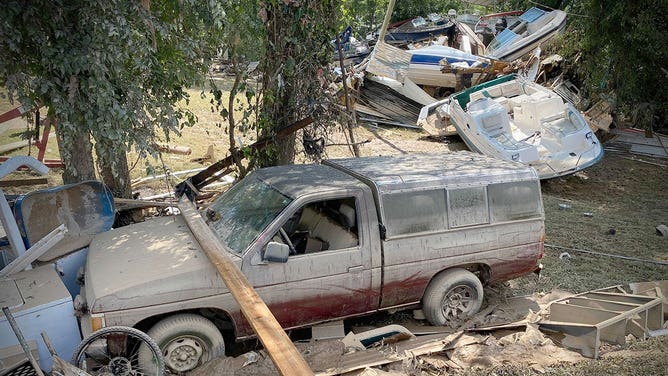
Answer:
(528, 348)
(400, 351)
(330, 330)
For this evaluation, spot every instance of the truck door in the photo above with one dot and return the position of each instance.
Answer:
(327, 274)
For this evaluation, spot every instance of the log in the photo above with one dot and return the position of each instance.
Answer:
(13, 146)
(174, 149)
(282, 351)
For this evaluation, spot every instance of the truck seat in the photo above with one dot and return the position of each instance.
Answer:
(325, 229)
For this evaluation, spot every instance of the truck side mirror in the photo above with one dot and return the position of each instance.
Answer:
(276, 252)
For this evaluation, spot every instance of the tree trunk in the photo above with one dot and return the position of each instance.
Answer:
(76, 152)
(112, 162)
(279, 84)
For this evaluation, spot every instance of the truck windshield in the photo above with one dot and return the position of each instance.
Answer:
(243, 212)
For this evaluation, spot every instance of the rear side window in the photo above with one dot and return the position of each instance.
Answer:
(514, 201)
(467, 206)
(411, 212)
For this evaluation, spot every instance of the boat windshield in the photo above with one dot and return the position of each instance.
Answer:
(502, 39)
(242, 213)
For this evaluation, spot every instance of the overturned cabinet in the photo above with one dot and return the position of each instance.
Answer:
(608, 315)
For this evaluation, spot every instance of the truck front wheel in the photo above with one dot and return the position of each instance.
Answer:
(186, 341)
(451, 296)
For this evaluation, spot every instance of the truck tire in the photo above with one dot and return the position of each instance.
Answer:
(186, 340)
(451, 296)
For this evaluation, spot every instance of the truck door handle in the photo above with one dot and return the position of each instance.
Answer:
(355, 269)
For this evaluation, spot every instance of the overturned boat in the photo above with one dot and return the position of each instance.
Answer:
(514, 119)
(532, 28)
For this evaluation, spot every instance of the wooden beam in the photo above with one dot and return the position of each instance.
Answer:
(23, 182)
(127, 203)
(35, 252)
(282, 351)
(6, 148)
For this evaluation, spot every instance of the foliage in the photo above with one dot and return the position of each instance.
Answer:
(625, 50)
(365, 16)
(409, 9)
(111, 69)
(617, 50)
(241, 37)
(298, 50)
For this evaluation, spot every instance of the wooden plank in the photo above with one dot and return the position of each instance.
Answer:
(23, 182)
(36, 251)
(282, 351)
(127, 203)
(6, 148)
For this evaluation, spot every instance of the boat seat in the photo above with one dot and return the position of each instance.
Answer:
(493, 121)
(568, 130)
(536, 109)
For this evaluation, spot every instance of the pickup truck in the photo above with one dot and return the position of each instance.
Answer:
(322, 242)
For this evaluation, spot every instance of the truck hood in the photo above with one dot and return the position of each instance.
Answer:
(154, 262)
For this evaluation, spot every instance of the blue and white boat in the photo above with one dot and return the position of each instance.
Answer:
(426, 65)
(532, 28)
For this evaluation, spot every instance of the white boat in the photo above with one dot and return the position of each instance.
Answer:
(514, 119)
(531, 29)
(426, 64)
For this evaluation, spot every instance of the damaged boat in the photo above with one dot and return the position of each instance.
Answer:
(514, 119)
(532, 28)
(419, 29)
(426, 64)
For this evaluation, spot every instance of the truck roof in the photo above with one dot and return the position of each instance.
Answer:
(410, 171)
(297, 180)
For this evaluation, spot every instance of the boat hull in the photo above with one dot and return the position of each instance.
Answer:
(508, 46)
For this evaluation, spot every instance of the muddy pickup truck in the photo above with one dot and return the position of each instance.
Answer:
(344, 238)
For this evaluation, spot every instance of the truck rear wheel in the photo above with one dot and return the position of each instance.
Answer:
(186, 341)
(451, 296)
